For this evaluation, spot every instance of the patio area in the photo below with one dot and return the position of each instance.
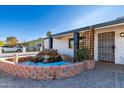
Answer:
(104, 75)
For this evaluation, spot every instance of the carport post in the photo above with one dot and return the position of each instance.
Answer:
(76, 45)
(50, 42)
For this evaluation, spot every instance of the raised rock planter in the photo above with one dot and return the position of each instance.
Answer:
(42, 73)
(90, 64)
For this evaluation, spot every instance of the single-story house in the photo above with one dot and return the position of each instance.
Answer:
(33, 45)
(105, 41)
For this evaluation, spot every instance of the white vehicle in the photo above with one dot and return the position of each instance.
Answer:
(11, 49)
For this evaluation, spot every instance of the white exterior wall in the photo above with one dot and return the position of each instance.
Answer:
(61, 44)
(46, 43)
(119, 43)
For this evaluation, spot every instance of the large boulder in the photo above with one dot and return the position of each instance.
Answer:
(49, 55)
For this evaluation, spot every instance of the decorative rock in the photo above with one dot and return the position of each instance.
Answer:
(47, 56)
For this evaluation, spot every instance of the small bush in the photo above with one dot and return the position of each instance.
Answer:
(82, 54)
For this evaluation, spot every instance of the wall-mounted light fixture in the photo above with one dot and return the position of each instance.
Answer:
(122, 34)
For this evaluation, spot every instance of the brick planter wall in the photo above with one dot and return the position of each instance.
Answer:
(42, 73)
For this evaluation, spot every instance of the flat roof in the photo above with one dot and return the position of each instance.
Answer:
(113, 22)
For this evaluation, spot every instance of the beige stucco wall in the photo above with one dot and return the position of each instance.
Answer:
(46, 43)
(62, 45)
(119, 43)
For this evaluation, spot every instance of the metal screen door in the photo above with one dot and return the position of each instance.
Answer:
(106, 46)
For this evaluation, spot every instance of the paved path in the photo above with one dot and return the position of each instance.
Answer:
(104, 75)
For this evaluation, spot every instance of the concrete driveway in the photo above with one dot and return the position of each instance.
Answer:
(104, 75)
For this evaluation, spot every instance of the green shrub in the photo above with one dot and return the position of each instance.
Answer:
(1, 43)
(82, 54)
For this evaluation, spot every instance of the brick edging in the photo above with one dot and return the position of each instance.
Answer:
(42, 73)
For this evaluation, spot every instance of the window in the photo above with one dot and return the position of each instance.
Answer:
(71, 41)
(38, 45)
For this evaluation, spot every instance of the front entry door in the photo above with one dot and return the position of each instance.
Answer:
(106, 46)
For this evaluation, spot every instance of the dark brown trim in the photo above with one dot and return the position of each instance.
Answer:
(50, 42)
(109, 23)
(76, 45)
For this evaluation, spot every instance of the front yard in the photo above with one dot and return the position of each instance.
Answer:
(104, 75)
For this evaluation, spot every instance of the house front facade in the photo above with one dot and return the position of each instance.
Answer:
(33, 45)
(105, 41)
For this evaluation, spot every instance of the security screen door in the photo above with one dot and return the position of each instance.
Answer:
(106, 46)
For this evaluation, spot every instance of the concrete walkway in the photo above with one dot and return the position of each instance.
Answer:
(104, 75)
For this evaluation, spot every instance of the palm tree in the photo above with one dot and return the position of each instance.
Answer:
(49, 33)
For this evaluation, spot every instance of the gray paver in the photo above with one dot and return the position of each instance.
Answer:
(116, 79)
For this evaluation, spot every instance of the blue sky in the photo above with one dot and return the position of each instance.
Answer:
(32, 22)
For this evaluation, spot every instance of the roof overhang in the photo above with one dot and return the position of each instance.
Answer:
(97, 26)
(114, 25)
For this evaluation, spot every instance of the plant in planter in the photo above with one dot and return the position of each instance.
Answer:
(83, 55)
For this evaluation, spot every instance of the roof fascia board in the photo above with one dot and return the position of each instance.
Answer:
(110, 26)
(97, 26)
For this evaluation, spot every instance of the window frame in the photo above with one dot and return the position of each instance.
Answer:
(72, 40)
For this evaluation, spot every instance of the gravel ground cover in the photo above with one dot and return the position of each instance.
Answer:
(103, 76)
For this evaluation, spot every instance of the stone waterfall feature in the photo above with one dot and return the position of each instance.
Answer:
(50, 55)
